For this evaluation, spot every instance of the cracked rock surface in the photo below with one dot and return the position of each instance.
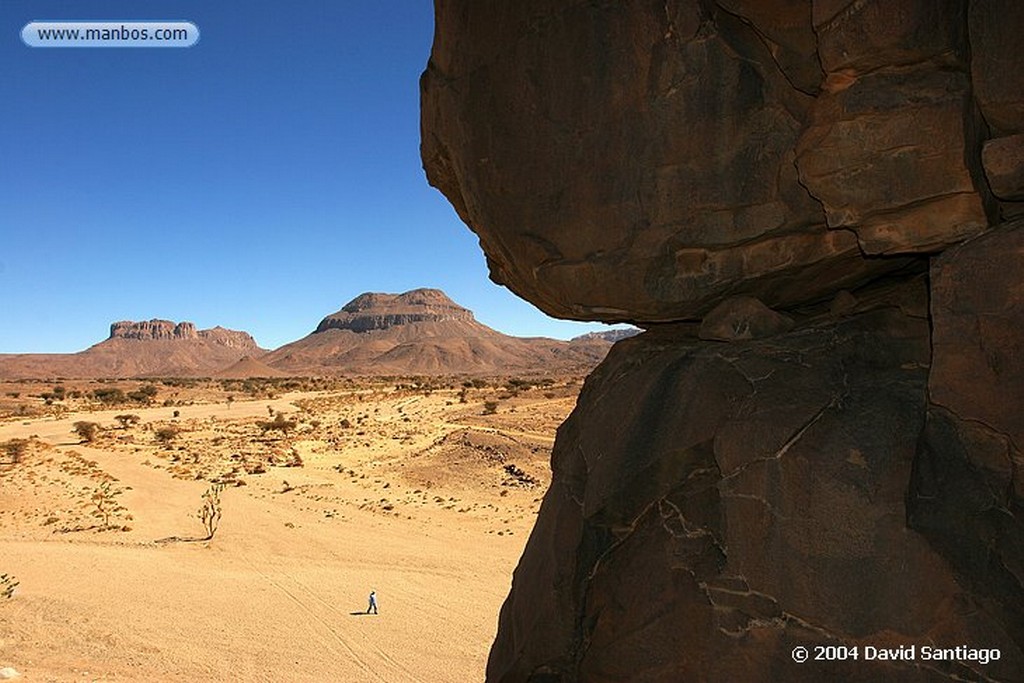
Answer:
(716, 505)
(813, 208)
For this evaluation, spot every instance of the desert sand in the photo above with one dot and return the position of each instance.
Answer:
(412, 492)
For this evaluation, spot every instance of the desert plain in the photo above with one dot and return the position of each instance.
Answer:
(423, 490)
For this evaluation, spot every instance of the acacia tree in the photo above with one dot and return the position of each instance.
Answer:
(86, 431)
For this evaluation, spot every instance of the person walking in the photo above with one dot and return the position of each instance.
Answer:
(372, 608)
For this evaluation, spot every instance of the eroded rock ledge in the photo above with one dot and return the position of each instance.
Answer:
(826, 191)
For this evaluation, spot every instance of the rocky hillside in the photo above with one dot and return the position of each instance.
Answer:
(814, 208)
(135, 349)
(421, 332)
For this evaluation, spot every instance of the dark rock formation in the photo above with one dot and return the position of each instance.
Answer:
(715, 506)
(743, 317)
(855, 480)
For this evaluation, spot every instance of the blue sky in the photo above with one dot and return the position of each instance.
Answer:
(258, 180)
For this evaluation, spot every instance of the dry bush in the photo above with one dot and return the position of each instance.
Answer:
(104, 505)
(279, 423)
(7, 585)
(15, 449)
(86, 431)
(166, 435)
(210, 512)
(127, 420)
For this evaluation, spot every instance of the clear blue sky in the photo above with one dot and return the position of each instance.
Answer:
(258, 180)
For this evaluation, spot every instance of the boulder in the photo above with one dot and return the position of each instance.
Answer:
(741, 318)
(997, 63)
(886, 157)
(713, 507)
(625, 162)
(1004, 166)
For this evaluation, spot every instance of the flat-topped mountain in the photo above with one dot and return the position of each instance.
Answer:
(610, 336)
(420, 332)
(156, 329)
(134, 349)
(375, 311)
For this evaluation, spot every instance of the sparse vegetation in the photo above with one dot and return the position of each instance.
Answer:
(7, 585)
(144, 394)
(166, 435)
(490, 407)
(109, 395)
(279, 423)
(210, 512)
(86, 431)
(104, 505)
(15, 449)
(127, 420)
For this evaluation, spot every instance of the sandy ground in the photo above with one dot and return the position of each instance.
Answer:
(418, 496)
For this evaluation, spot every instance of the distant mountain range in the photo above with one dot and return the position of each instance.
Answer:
(416, 333)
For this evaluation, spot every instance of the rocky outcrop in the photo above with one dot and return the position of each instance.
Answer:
(838, 462)
(152, 329)
(716, 505)
(377, 311)
(611, 336)
(700, 161)
(136, 349)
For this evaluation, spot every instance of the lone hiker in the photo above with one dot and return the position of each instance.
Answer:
(372, 608)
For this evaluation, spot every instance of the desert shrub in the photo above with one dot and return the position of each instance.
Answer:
(166, 435)
(127, 420)
(109, 395)
(86, 431)
(345, 423)
(7, 585)
(210, 512)
(478, 383)
(279, 423)
(144, 394)
(490, 407)
(15, 449)
(104, 505)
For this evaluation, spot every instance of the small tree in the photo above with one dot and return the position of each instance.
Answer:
(127, 420)
(86, 431)
(16, 449)
(490, 407)
(209, 513)
(105, 505)
(166, 435)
